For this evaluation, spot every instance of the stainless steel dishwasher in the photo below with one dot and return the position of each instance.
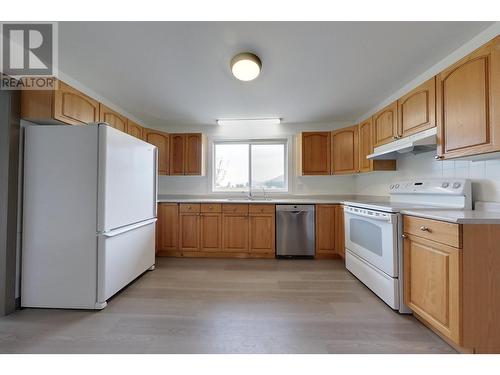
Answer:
(295, 230)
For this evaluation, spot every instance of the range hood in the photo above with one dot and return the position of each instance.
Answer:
(416, 143)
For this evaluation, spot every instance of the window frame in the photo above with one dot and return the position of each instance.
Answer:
(246, 141)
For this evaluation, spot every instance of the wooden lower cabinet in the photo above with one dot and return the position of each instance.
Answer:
(189, 231)
(167, 228)
(339, 231)
(329, 231)
(210, 231)
(432, 284)
(235, 233)
(325, 229)
(451, 281)
(262, 233)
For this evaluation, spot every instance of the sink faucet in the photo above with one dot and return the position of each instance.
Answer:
(264, 193)
(249, 194)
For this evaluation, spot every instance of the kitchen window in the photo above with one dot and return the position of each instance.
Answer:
(257, 166)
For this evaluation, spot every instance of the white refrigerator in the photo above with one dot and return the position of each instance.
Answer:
(89, 213)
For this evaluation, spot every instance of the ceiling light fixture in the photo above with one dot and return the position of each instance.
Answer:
(246, 66)
(250, 121)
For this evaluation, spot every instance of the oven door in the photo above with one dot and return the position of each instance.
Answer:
(372, 235)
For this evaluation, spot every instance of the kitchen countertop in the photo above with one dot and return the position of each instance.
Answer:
(310, 199)
(457, 216)
(452, 216)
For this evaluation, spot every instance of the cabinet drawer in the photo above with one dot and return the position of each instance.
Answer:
(235, 209)
(262, 209)
(439, 231)
(189, 207)
(210, 207)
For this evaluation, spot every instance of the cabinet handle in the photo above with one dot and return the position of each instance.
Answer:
(438, 157)
(424, 228)
(404, 236)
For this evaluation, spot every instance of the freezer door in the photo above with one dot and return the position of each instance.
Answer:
(127, 180)
(123, 255)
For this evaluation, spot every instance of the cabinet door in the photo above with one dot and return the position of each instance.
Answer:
(135, 130)
(262, 234)
(189, 231)
(160, 140)
(432, 284)
(325, 229)
(177, 153)
(339, 231)
(417, 109)
(365, 145)
(316, 153)
(235, 233)
(468, 104)
(345, 150)
(167, 226)
(193, 154)
(113, 118)
(385, 125)
(73, 107)
(211, 231)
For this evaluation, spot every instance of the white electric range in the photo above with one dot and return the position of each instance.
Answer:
(373, 231)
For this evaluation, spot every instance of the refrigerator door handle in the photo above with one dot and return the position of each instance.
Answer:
(128, 228)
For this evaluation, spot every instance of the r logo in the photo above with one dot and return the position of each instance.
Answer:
(28, 49)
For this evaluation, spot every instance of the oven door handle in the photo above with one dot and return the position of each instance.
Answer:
(379, 218)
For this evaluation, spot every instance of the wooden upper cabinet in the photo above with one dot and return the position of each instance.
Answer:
(64, 105)
(113, 118)
(417, 109)
(161, 141)
(365, 131)
(193, 158)
(345, 150)
(365, 145)
(177, 152)
(385, 125)
(186, 154)
(134, 129)
(316, 153)
(468, 104)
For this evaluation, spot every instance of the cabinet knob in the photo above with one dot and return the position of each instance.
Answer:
(424, 228)
(438, 157)
(404, 236)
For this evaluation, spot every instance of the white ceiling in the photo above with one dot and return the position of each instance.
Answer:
(168, 73)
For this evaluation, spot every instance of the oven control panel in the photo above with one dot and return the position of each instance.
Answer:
(452, 186)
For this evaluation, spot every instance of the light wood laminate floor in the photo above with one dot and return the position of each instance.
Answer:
(228, 306)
